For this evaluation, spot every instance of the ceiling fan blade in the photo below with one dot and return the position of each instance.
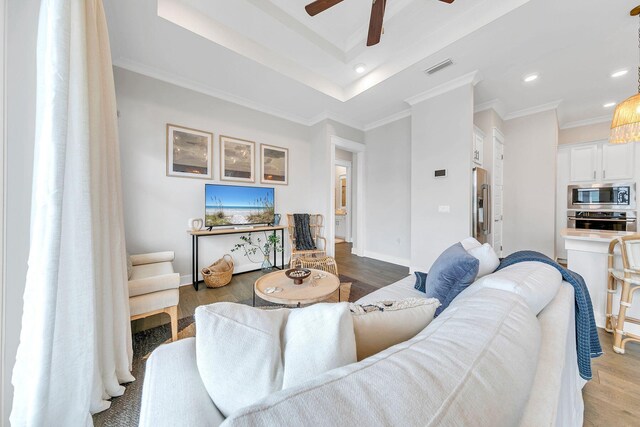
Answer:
(320, 6)
(447, 1)
(375, 23)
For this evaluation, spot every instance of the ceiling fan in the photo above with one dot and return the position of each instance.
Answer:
(375, 23)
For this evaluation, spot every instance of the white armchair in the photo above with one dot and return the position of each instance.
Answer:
(153, 287)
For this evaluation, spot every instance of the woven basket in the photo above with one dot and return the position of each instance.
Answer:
(219, 273)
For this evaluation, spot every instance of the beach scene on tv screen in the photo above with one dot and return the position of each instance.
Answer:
(234, 205)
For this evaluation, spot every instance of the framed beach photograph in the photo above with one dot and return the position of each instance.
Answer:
(189, 152)
(275, 165)
(237, 159)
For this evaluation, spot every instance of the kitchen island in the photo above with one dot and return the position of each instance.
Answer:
(587, 255)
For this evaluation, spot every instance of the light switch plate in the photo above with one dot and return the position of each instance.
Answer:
(444, 209)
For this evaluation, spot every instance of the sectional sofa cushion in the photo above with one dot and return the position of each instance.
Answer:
(472, 366)
(449, 275)
(244, 353)
(401, 289)
(172, 379)
(487, 257)
(382, 324)
(535, 282)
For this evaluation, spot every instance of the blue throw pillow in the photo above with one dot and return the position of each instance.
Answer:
(452, 272)
(421, 280)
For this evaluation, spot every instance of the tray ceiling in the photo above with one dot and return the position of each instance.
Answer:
(322, 51)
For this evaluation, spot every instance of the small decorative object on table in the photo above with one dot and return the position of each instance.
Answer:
(298, 275)
(219, 273)
(266, 246)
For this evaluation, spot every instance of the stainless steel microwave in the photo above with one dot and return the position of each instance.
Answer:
(602, 196)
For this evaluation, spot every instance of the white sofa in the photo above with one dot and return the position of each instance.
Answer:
(487, 360)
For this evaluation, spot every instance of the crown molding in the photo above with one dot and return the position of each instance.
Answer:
(173, 79)
(472, 78)
(494, 104)
(327, 115)
(533, 110)
(587, 122)
(389, 119)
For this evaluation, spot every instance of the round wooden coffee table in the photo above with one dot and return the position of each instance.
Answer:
(315, 288)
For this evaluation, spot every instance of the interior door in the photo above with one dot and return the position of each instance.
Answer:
(498, 192)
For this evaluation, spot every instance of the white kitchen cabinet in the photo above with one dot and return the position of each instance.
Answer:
(617, 161)
(478, 146)
(584, 162)
(601, 162)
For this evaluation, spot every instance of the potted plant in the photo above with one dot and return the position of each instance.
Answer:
(264, 247)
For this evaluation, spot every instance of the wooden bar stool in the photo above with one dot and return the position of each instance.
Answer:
(630, 248)
(615, 276)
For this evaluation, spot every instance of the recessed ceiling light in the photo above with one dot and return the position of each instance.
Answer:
(619, 73)
(530, 77)
(609, 104)
(360, 68)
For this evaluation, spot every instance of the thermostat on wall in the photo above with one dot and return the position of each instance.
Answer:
(440, 173)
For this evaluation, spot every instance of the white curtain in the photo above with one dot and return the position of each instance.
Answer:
(75, 343)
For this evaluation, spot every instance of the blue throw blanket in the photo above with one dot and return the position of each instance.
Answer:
(587, 342)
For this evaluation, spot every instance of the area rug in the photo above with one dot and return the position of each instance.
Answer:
(125, 410)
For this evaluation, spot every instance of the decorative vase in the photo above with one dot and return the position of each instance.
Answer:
(196, 224)
(267, 267)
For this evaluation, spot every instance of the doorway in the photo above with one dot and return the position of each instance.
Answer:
(343, 198)
(351, 155)
(498, 190)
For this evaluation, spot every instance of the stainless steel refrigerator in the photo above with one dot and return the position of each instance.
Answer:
(481, 205)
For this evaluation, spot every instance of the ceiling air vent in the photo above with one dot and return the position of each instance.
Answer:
(438, 67)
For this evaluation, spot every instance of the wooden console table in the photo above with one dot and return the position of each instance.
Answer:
(195, 235)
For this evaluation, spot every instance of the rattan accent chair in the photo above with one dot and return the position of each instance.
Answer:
(316, 224)
(629, 277)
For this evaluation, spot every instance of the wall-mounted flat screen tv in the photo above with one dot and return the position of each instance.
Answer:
(229, 205)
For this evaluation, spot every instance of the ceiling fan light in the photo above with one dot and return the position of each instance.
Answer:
(625, 126)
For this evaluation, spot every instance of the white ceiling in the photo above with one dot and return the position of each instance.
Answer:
(270, 55)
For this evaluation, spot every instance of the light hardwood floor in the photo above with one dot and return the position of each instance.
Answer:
(612, 397)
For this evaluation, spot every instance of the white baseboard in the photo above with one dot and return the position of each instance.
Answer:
(387, 258)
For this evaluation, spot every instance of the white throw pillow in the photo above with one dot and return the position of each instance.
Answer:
(489, 261)
(470, 243)
(535, 282)
(245, 353)
(317, 339)
(381, 325)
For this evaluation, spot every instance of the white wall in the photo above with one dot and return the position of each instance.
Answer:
(21, 32)
(388, 192)
(588, 133)
(157, 207)
(530, 183)
(441, 132)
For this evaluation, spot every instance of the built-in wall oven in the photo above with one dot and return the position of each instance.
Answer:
(603, 220)
(620, 196)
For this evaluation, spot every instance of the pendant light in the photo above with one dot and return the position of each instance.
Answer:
(625, 126)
